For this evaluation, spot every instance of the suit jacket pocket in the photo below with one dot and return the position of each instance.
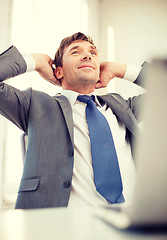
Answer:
(29, 185)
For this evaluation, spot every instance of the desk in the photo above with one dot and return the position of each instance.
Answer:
(63, 224)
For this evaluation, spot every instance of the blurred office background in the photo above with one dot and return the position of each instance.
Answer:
(127, 31)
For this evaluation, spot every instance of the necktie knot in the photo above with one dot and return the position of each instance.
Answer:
(85, 98)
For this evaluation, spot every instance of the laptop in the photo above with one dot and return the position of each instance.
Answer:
(149, 202)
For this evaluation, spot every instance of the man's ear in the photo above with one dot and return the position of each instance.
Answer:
(58, 73)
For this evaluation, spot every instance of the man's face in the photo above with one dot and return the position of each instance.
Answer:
(80, 66)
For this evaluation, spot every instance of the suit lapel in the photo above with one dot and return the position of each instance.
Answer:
(67, 111)
(120, 108)
(122, 111)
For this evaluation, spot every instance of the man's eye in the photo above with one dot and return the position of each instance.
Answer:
(93, 53)
(75, 52)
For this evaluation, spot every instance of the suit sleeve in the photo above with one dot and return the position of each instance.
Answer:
(14, 104)
(136, 103)
(141, 78)
(11, 63)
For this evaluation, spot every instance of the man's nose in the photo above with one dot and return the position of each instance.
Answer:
(87, 56)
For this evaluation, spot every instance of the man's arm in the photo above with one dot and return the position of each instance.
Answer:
(109, 70)
(130, 73)
(11, 64)
(14, 104)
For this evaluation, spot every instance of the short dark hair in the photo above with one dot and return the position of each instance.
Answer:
(66, 42)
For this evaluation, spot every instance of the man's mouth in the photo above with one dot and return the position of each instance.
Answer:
(86, 66)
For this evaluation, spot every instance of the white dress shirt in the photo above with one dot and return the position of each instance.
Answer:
(83, 187)
(83, 190)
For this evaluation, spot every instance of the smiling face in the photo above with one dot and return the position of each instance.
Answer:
(80, 69)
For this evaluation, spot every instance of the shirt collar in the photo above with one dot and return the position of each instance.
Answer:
(72, 96)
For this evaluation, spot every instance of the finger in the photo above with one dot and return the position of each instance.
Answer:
(99, 84)
(55, 82)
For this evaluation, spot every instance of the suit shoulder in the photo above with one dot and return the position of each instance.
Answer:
(117, 96)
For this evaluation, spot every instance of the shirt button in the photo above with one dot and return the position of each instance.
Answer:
(71, 152)
(67, 184)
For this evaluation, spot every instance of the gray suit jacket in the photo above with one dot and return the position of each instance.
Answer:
(48, 167)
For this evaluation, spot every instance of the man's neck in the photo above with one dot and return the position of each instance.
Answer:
(82, 90)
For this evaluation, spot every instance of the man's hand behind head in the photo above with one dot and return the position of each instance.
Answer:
(45, 68)
(109, 70)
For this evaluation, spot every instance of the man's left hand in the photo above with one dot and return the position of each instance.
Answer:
(109, 70)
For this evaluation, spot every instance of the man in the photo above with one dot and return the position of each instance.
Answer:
(58, 164)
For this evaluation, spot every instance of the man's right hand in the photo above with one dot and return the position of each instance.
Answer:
(45, 68)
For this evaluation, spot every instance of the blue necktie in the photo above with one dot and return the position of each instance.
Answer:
(107, 176)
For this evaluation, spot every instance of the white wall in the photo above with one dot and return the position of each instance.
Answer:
(5, 25)
(137, 30)
(93, 20)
